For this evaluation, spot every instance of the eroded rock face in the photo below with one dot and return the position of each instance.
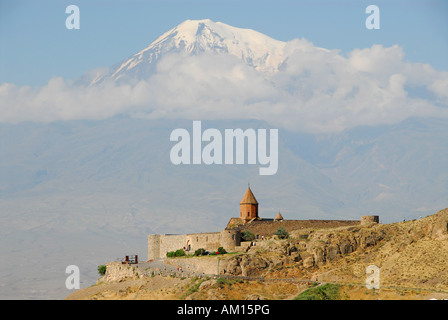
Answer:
(332, 252)
(369, 238)
(314, 250)
(232, 266)
(244, 265)
(252, 264)
(319, 248)
(308, 260)
(117, 272)
(439, 228)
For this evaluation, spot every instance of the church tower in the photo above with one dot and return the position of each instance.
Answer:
(248, 206)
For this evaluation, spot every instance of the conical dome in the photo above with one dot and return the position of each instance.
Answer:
(249, 198)
(278, 216)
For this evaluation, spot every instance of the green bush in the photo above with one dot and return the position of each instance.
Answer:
(221, 250)
(221, 282)
(199, 252)
(327, 291)
(248, 236)
(281, 233)
(177, 253)
(102, 269)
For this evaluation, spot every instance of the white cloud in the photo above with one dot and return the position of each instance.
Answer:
(439, 86)
(316, 90)
(377, 59)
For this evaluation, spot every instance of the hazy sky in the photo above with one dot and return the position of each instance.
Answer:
(35, 44)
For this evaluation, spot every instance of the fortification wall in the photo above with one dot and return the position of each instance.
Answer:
(229, 238)
(171, 242)
(267, 228)
(153, 246)
(116, 272)
(159, 245)
(370, 219)
(208, 241)
(204, 265)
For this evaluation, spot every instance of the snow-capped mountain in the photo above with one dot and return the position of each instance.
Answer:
(194, 37)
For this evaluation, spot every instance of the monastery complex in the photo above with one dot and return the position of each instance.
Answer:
(230, 238)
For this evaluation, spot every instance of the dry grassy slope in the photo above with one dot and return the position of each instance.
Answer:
(418, 255)
(412, 254)
(412, 257)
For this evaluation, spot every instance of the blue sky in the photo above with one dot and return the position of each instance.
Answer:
(35, 45)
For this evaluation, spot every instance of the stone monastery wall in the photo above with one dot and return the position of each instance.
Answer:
(159, 245)
(268, 228)
(230, 237)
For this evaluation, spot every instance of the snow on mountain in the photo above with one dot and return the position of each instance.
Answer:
(193, 37)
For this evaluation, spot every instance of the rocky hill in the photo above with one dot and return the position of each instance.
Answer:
(411, 257)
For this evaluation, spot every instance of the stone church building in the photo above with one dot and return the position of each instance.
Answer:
(230, 238)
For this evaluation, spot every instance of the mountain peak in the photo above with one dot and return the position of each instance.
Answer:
(194, 37)
(195, 23)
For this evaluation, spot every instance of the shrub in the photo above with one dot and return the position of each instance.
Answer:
(102, 269)
(177, 253)
(281, 233)
(221, 282)
(221, 250)
(328, 291)
(248, 236)
(199, 252)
